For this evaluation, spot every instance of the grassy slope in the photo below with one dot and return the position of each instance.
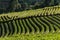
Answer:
(49, 36)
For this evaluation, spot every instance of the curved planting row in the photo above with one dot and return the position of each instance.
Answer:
(34, 24)
(53, 10)
(44, 20)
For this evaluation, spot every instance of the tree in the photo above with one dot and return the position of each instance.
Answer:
(56, 2)
(51, 3)
(15, 5)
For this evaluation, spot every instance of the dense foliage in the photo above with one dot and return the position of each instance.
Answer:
(20, 5)
(32, 4)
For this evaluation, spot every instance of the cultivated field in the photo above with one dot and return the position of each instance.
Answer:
(39, 23)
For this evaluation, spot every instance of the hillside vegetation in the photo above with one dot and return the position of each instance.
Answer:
(21, 5)
(38, 12)
(44, 20)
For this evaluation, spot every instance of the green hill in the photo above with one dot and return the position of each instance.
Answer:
(32, 21)
(39, 24)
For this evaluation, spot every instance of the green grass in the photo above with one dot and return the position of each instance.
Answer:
(49, 36)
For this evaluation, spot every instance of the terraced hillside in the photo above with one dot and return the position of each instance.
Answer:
(46, 20)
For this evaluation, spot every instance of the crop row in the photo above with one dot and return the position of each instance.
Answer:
(38, 12)
(34, 24)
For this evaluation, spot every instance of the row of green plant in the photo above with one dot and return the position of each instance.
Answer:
(40, 12)
(30, 25)
(43, 20)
